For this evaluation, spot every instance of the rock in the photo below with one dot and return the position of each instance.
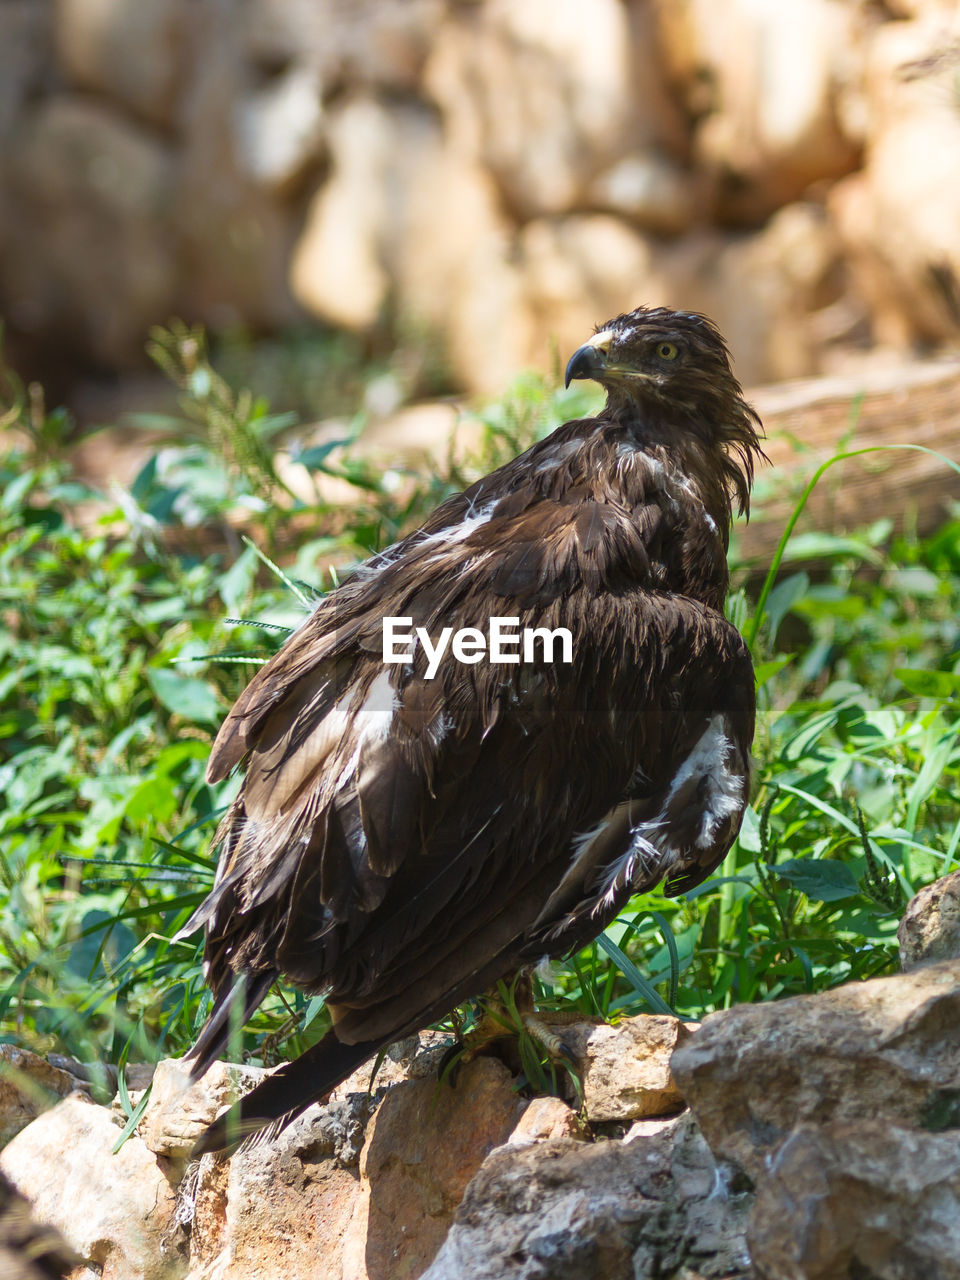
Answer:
(234, 234)
(179, 1112)
(567, 1210)
(29, 1085)
(283, 1207)
(545, 1118)
(763, 83)
(650, 189)
(337, 271)
(626, 1067)
(767, 290)
(280, 127)
(889, 1047)
(29, 1251)
(579, 268)
(404, 214)
(898, 217)
(25, 56)
(89, 203)
(859, 1199)
(113, 1209)
(930, 928)
(423, 1146)
(458, 273)
(135, 53)
(368, 43)
(545, 100)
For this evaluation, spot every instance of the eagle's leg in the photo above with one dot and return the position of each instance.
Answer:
(509, 1010)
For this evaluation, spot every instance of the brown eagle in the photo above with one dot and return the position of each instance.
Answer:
(410, 831)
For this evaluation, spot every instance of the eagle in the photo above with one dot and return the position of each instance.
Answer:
(413, 827)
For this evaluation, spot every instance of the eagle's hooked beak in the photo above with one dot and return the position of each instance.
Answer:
(590, 359)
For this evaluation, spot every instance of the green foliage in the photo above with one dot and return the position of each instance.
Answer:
(118, 658)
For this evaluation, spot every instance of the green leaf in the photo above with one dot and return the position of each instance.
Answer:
(822, 880)
(782, 599)
(185, 695)
(929, 684)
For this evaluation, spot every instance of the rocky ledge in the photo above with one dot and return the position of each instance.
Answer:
(812, 1138)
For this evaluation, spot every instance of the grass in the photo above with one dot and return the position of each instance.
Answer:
(118, 659)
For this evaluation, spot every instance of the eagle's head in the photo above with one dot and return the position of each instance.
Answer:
(670, 371)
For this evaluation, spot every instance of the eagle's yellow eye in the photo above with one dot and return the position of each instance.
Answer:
(667, 351)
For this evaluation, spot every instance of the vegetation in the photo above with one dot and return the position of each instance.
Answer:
(120, 652)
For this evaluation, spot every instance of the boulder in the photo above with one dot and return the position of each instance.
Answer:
(113, 1209)
(898, 217)
(625, 1067)
(543, 99)
(337, 271)
(579, 269)
(423, 1146)
(545, 1118)
(280, 1207)
(177, 1112)
(340, 1195)
(889, 1047)
(29, 1085)
(90, 199)
(930, 928)
(26, 33)
(405, 216)
(862, 1198)
(650, 189)
(137, 54)
(235, 223)
(368, 43)
(763, 83)
(644, 1206)
(279, 128)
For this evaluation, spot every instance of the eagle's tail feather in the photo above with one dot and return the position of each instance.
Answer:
(281, 1097)
(215, 1035)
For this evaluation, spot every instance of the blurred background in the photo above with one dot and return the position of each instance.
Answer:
(462, 188)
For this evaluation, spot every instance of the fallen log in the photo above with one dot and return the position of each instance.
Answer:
(811, 420)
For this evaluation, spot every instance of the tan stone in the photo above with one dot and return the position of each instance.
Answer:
(864, 1198)
(889, 1047)
(544, 99)
(25, 39)
(651, 190)
(543, 1119)
(234, 232)
(136, 53)
(281, 1207)
(29, 1085)
(625, 1068)
(577, 272)
(423, 1146)
(178, 1112)
(366, 42)
(764, 81)
(279, 127)
(930, 928)
(336, 271)
(90, 193)
(898, 219)
(567, 1210)
(113, 1209)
